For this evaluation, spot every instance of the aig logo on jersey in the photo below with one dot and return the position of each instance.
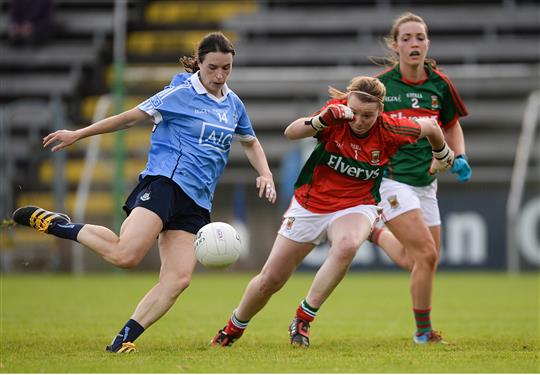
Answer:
(216, 136)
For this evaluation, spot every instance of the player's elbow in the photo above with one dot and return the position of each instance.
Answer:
(250, 143)
(430, 128)
(291, 133)
(432, 131)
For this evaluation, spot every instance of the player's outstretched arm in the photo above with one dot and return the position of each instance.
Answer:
(300, 128)
(257, 158)
(308, 126)
(64, 138)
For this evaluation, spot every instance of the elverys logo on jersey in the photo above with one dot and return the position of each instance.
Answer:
(401, 115)
(343, 166)
(216, 136)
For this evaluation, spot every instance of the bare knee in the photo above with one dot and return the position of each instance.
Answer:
(344, 249)
(174, 287)
(269, 284)
(407, 264)
(427, 256)
(127, 257)
(125, 260)
(126, 253)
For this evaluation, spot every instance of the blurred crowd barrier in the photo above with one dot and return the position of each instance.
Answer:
(288, 53)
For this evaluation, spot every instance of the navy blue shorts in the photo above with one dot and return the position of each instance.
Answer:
(165, 198)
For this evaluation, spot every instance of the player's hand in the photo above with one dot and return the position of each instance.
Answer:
(333, 111)
(462, 168)
(266, 187)
(442, 160)
(63, 137)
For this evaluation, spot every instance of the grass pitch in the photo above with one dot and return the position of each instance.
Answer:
(57, 324)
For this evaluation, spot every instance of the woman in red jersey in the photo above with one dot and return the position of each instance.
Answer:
(336, 193)
(416, 89)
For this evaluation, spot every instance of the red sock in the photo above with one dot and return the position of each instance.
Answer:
(235, 326)
(302, 314)
(231, 329)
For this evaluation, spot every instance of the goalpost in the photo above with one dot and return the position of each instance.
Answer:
(519, 175)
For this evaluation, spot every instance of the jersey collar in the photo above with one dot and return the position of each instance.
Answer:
(411, 83)
(201, 90)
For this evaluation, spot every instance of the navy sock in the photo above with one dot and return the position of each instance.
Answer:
(129, 333)
(64, 229)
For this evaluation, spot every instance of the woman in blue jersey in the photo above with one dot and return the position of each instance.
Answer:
(417, 89)
(195, 119)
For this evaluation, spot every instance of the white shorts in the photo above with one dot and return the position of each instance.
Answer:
(304, 226)
(398, 198)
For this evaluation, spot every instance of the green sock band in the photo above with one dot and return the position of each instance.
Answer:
(309, 308)
(423, 321)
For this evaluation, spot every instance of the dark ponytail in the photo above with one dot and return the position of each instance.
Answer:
(213, 42)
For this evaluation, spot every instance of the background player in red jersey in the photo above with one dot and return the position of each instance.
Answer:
(416, 89)
(336, 193)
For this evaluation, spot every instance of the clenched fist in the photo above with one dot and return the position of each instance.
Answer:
(333, 111)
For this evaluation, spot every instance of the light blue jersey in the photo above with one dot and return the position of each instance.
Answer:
(192, 135)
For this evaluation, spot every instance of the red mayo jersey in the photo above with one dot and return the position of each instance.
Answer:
(345, 170)
(436, 98)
